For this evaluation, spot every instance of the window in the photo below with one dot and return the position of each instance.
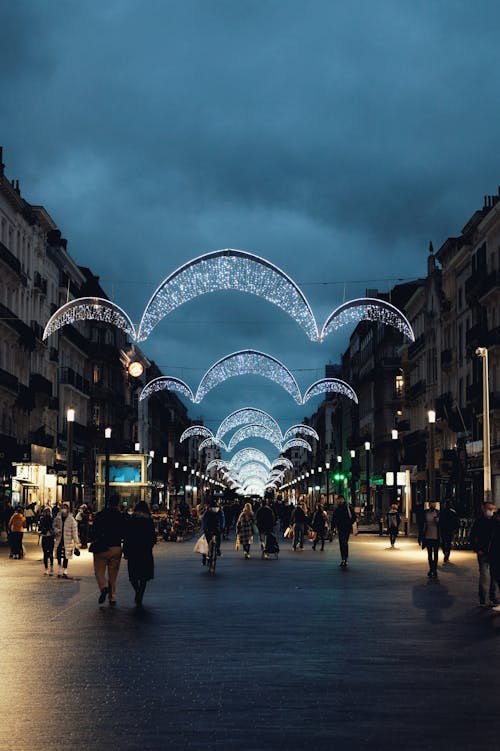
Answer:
(399, 386)
(96, 374)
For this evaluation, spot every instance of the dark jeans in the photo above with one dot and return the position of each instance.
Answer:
(298, 535)
(320, 537)
(393, 533)
(432, 554)
(16, 543)
(446, 540)
(61, 556)
(487, 582)
(208, 537)
(344, 543)
(48, 551)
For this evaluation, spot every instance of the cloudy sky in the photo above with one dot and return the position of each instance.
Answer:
(334, 139)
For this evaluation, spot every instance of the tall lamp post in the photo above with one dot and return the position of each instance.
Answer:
(368, 500)
(353, 481)
(70, 419)
(165, 492)
(431, 416)
(395, 437)
(482, 352)
(107, 438)
(339, 468)
(327, 467)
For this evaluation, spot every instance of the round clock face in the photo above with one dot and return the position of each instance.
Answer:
(136, 369)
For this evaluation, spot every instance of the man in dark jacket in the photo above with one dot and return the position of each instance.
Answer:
(393, 520)
(108, 532)
(343, 519)
(480, 539)
(298, 520)
(431, 537)
(266, 520)
(448, 524)
(212, 523)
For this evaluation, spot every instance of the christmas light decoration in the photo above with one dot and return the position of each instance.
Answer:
(328, 386)
(166, 382)
(296, 443)
(228, 270)
(195, 431)
(282, 461)
(89, 309)
(216, 464)
(367, 309)
(211, 443)
(255, 431)
(300, 430)
(246, 362)
(249, 454)
(245, 416)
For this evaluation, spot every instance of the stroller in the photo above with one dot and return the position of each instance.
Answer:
(271, 547)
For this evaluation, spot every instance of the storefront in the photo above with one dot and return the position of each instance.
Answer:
(34, 481)
(128, 476)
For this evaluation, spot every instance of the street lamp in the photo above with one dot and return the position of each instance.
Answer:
(353, 481)
(107, 437)
(339, 467)
(395, 436)
(482, 352)
(327, 467)
(165, 492)
(70, 419)
(137, 447)
(431, 416)
(368, 500)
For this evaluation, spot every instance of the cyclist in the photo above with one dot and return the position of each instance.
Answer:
(212, 523)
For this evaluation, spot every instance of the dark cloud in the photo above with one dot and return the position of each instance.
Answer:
(334, 139)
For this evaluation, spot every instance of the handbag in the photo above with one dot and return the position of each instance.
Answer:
(355, 528)
(311, 534)
(201, 545)
(237, 543)
(288, 533)
(76, 551)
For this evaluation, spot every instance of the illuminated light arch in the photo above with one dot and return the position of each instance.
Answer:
(89, 309)
(196, 431)
(249, 454)
(228, 269)
(300, 430)
(282, 461)
(248, 362)
(367, 309)
(216, 464)
(245, 416)
(210, 442)
(297, 443)
(329, 386)
(253, 469)
(255, 431)
(169, 383)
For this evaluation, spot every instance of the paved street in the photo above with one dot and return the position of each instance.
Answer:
(292, 654)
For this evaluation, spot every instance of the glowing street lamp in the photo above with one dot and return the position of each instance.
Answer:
(368, 499)
(482, 352)
(431, 416)
(107, 438)
(70, 419)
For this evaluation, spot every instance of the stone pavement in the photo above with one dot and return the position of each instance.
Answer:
(287, 654)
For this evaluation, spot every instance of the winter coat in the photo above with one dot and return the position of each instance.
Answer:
(140, 537)
(344, 517)
(265, 519)
(318, 522)
(393, 519)
(46, 526)
(17, 522)
(213, 520)
(245, 528)
(298, 515)
(70, 534)
(109, 528)
(480, 534)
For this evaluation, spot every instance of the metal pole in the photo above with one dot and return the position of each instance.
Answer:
(107, 437)
(482, 352)
(70, 418)
(431, 492)
(368, 501)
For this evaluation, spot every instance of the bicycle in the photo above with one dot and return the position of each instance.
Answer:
(212, 555)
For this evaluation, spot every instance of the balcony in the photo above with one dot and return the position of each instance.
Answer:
(40, 385)
(37, 330)
(474, 284)
(25, 399)
(416, 346)
(446, 358)
(8, 381)
(40, 283)
(9, 259)
(26, 335)
(53, 355)
(102, 352)
(75, 337)
(70, 377)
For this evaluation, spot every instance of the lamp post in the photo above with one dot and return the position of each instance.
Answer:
(395, 436)
(137, 447)
(482, 352)
(431, 416)
(107, 438)
(165, 492)
(327, 467)
(339, 467)
(353, 481)
(70, 419)
(368, 500)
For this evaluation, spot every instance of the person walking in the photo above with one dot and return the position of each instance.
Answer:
(480, 539)
(319, 526)
(108, 533)
(343, 519)
(298, 520)
(16, 532)
(212, 524)
(431, 536)
(83, 521)
(393, 520)
(65, 539)
(265, 519)
(138, 543)
(245, 528)
(448, 526)
(46, 531)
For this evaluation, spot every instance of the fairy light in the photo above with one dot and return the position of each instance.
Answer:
(300, 430)
(216, 464)
(89, 309)
(166, 382)
(282, 461)
(367, 309)
(210, 443)
(255, 431)
(228, 269)
(297, 443)
(329, 386)
(245, 416)
(248, 362)
(249, 454)
(195, 431)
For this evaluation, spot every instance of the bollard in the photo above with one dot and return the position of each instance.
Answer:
(406, 526)
(381, 526)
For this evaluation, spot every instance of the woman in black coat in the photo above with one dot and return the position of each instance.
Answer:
(139, 539)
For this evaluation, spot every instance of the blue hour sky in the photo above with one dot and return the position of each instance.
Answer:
(334, 139)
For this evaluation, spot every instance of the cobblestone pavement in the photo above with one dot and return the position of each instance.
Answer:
(294, 653)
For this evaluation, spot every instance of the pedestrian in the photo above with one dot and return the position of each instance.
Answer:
(82, 519)
(448, 526)
(16, 532)
(65, 539)
(46, 532)
(245, 528)
(298, 520)
(30, 516)
(393, 520)
(265, 519)
(212, 524)
(138, 543)
(319, 526)
(108, 533)
(431, 536)
(480, 539)
(343, 519)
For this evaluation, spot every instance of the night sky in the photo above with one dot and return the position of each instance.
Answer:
(334, 139)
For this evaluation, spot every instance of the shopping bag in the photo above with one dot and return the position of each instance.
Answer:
(288, 533)
(311, 534)
(237, 543)
(355, 529)
(201, 545)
